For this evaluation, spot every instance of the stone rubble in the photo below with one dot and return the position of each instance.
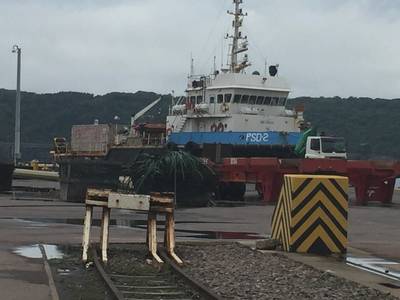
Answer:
(237, 272)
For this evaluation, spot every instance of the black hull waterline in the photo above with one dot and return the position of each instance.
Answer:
(6, 174)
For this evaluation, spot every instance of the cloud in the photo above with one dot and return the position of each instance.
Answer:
(325, 48)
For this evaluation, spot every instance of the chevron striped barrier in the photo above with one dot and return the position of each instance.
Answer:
(311, 214)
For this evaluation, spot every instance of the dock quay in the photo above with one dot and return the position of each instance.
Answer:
(27, 223)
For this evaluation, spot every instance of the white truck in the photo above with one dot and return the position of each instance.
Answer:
(326, 147)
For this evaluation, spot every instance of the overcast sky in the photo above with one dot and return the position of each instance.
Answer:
(324, 47)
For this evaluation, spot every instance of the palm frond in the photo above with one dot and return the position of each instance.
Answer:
(157, 173)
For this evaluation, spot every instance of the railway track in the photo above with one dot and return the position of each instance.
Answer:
(169, 282)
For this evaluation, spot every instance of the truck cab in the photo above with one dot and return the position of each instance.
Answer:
(326, 147)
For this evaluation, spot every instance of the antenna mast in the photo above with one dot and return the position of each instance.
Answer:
(235, 66)
(191, 65)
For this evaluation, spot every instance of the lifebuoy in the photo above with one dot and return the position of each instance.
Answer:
(221, 127)
(213, 128)
(224, 107)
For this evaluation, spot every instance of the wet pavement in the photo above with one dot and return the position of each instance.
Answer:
(373, 229)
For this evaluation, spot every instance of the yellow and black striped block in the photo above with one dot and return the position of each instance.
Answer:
(311, 214)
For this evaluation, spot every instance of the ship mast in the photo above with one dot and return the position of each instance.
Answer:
(235, 66)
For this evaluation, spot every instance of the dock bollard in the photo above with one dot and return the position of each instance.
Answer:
(311, 214)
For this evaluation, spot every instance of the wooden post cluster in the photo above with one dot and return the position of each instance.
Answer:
(154, 204)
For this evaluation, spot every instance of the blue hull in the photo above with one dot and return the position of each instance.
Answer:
(271, 138)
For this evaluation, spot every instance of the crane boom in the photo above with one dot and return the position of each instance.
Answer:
(144, 110)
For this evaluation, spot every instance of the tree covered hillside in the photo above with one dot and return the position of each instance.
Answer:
(47, 115)
(370, 126)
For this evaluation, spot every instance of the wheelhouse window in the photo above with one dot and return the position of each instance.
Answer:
(267, 101)
(228, 98)
(220, 98)
(212, 99)
(193, 99)
(282, 101)
(260, 100)
(274, 101)
(245, 99)
(237, 98)
(199, 99)
(253, 99)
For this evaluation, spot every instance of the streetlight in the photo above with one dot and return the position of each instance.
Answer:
(17, 145)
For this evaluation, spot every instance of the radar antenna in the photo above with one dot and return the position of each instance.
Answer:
(239, 42)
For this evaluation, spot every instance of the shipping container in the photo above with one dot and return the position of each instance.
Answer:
(92, 139)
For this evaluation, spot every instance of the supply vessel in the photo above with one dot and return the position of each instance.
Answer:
(233, 112)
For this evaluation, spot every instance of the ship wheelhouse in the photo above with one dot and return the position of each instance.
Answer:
(240, 103)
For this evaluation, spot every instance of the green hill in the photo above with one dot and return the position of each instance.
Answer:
(370, 126)
(45, 116)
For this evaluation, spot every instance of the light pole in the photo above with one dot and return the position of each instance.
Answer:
(17, 144)
(116, 138)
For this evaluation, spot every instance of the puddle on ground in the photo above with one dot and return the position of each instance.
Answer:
(218, 235)
(376, 265)
(142, 224)
(33, 251)
(115, 222)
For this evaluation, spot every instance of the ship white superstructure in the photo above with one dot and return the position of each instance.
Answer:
(232, 106)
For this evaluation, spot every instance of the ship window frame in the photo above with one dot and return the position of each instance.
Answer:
(267, 100)
(201, 99)
(282, 101)
(212, 99)
(220, 98)
(274, 101)
(237, 98)
(245, 99)
(227, 98)
(258, 102)
(192, 100)
(254, 98)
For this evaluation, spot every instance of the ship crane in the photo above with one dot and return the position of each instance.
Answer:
(144, 111)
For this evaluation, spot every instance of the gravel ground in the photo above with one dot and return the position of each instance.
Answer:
(237, 272)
